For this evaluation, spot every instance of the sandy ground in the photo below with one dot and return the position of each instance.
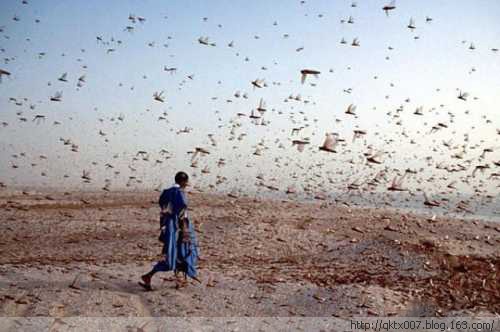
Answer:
(80, 254)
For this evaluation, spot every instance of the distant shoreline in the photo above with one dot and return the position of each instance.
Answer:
(298, 198)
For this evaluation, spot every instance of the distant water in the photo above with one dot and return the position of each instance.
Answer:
(483, 213)
(481, 209)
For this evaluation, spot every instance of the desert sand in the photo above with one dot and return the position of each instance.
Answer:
(81, 254)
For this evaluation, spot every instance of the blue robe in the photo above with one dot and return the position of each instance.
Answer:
(180, 255)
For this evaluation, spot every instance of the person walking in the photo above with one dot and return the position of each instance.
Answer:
(180, 247)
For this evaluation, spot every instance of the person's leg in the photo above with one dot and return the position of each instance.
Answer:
(168, 261)
(161, 266)
(146, 278)
(187, 260)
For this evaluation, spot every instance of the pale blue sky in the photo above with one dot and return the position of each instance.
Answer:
(416, 68)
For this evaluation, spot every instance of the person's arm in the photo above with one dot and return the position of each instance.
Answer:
(181, 204)
(183, 216)
(165, 206)
(163, 201)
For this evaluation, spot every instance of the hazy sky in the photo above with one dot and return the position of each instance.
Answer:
(392, 67)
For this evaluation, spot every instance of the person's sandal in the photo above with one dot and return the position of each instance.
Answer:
(180, 284)
(195, 278)
(146, 283)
